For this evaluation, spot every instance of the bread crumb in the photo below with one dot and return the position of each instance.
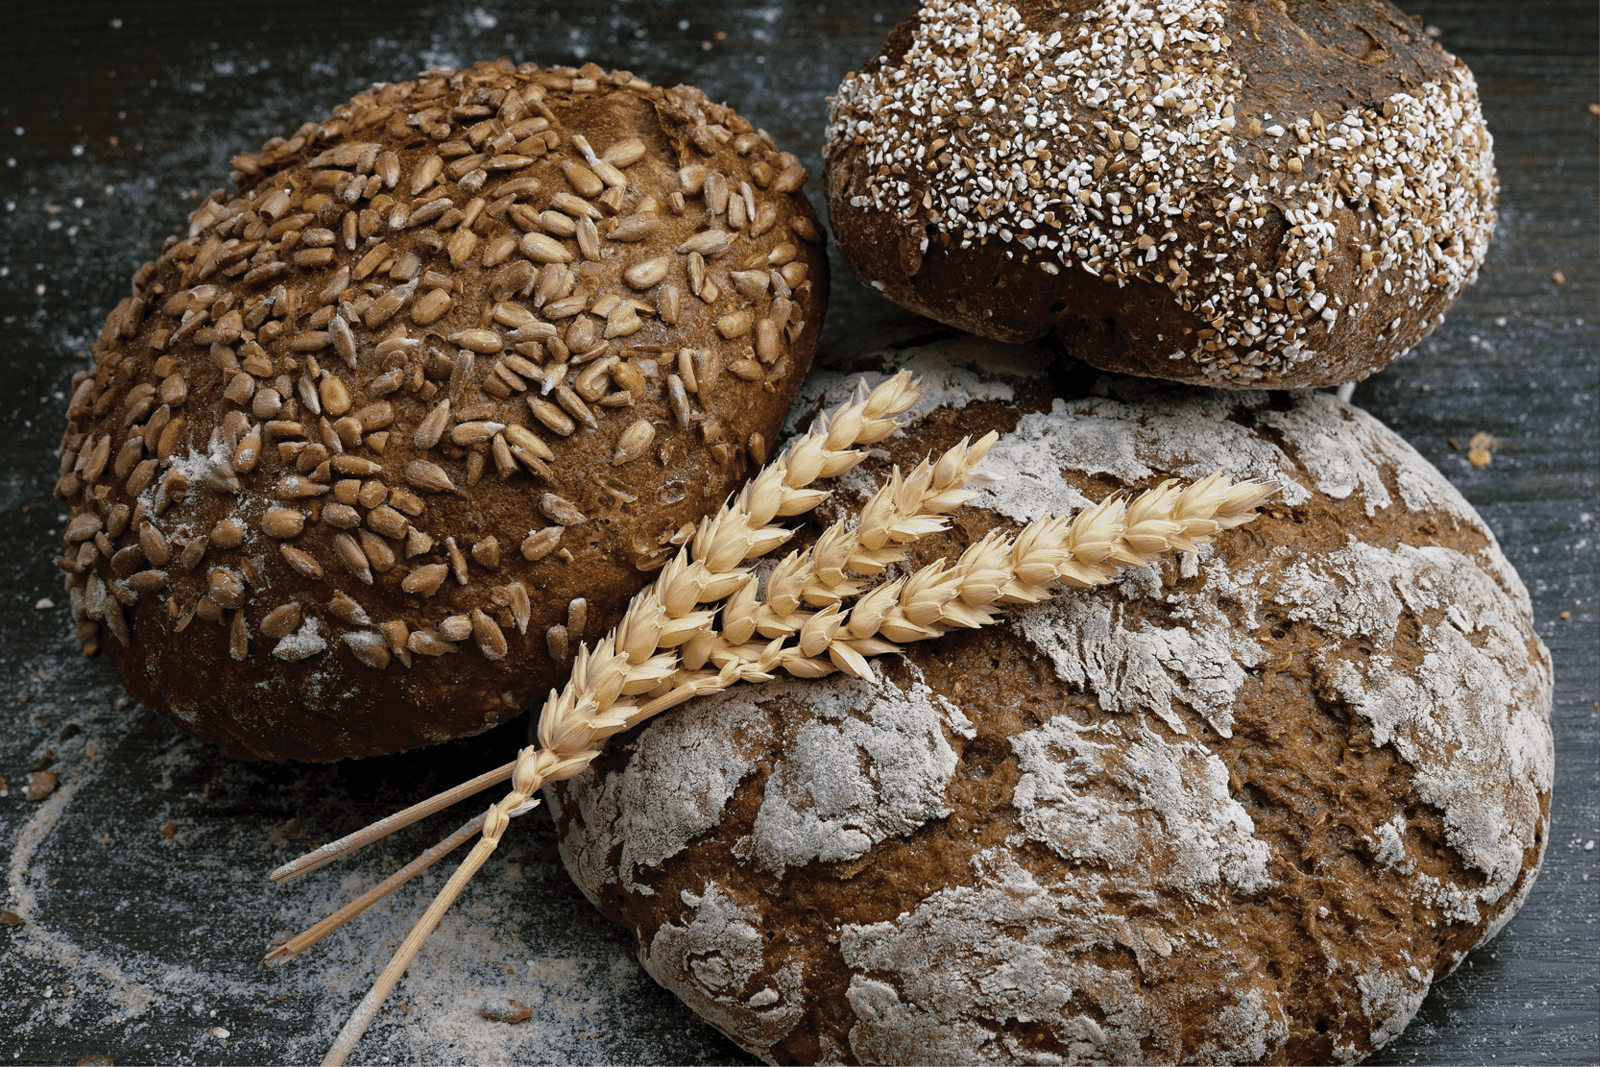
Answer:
(1558, 277)
(41, 784)
(1481, 448)
(44, 603)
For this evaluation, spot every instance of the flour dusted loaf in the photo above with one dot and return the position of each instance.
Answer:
(386, 433)
(1252, 195)
(1243, 808)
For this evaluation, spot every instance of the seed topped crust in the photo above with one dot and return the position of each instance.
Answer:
(1252, 196)
(383, 416)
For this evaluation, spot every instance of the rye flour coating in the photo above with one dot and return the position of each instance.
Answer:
(1245, 807)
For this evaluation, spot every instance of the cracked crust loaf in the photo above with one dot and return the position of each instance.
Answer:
(386, 433)
(1245, 195)
(1242, 808)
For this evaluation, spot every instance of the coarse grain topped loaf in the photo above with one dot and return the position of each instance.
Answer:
(1245, 807)
(1247, 195)
(374, 444)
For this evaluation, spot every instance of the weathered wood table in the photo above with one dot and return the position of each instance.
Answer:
(140, 882)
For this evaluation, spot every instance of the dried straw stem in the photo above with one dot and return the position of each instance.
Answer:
(335, 850)
(297, 944)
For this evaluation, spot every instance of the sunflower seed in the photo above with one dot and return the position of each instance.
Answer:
(375, 416)
(707, 242)
(340, 516)
(521, 438)
(426, 643)
(458, 561)
(633, 442)
(693, 178)
(369, 648)
(555, 640)
(484, 342)
(334, 396)
(624, 153)
(431, 307)
(766, 216)
(575, 406)
(429, 477)
(224, 588)
(636, 227)
(472, 433)
(283, 522)
(377, 550)
(498, 250)
(735, 324)
(431, 429)
(581, 178)
(148, 581)
(238, 636)
(588, 239)
(371, 261)
(751, 284)
(301, 561)
(614, 179)
(560, 510)
(348, 550)
(167, 443)
(716, 194)
(544, 249)
(551, 416)
(417, 543)
(767, 340)
(591, 383)
(669, 303)
(295, 487)
(540, 543)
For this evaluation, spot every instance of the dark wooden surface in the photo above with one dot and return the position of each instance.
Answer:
(137, 946)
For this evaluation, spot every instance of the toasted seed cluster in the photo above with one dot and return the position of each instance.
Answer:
(1305, 186)
(387, 432)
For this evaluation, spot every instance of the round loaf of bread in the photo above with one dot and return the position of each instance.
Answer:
(1241, 195)
(386, 433)
(1242, 808)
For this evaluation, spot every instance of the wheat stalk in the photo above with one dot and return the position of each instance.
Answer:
(668, 649)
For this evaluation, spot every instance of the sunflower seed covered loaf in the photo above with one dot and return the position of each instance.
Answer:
(1258, 195)
(373, 446)
(1243, 807)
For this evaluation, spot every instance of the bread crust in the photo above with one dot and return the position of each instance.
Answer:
(1239, 195)
(372, 447)
(1245, 808)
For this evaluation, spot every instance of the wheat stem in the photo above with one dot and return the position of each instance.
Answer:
(387, 825)
(283, 953)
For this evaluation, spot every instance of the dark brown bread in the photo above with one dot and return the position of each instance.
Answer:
(1252, 195)
(372, 448)
(1241, 808)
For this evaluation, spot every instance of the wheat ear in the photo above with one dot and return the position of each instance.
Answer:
(659, 650)
(628, 661)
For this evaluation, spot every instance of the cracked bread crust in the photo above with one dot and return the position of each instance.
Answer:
(1243, 808)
